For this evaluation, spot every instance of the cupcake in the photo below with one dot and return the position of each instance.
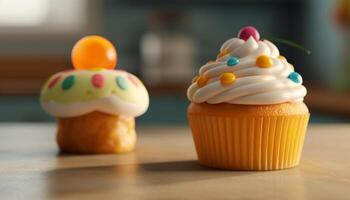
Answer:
(95, 105)
(247, 110)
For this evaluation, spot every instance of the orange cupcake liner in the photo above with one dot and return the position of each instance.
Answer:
(247, 142)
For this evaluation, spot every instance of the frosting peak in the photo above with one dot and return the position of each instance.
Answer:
(261, 76)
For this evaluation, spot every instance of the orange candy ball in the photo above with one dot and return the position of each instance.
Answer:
(222, 53)
(93, 52)
(227, 78)
(202, 81)
(264, 61)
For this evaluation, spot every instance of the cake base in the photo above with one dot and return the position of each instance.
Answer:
(240, 137)
(96, 133)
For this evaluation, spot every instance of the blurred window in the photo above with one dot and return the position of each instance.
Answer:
(35, 36)
(44, 16)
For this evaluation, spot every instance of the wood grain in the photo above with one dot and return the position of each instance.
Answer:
(164, 166)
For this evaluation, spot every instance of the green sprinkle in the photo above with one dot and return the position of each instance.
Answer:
(68, 82)
(121, 82)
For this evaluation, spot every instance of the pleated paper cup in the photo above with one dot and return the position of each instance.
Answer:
(239, 137)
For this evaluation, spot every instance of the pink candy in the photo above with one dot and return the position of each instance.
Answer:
(97, 80)
(54, 81)
(249, 31)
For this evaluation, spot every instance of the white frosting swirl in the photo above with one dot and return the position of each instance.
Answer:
(253, 85)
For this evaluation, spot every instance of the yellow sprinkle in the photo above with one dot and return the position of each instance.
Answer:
(202, 81)
(210, 62)
(195, 79)
(264, 61)
(281, 57)
(222, 53)
(227, 78)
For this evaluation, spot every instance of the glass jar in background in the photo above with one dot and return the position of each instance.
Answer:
(167, 50)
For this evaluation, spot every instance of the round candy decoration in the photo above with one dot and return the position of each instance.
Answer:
(227, 78)
(54, 81)
(281, 57)
(121, 82)
(68, 82)
(134, 81)
(223, 53)
(295, 77)
(93, 52)
(202, 81)
(264, 61)
(249, 31)
(97, 80)
(232, 61)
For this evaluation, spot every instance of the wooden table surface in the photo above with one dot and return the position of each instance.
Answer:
(164, 166)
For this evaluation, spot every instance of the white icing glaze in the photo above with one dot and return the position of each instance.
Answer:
(83, 97)
(253, 85)
(112, 105)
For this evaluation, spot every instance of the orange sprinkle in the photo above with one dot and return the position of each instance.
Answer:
(222, 53)
(195, 79)
(227, 78)
(281, 57)
(264, 61)
(210, 62)
(202, 81)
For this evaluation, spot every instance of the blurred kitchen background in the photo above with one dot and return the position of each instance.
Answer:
(164, 42)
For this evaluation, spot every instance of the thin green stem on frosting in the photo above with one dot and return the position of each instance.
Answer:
(289, 43)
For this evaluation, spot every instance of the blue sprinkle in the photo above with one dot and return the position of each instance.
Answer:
(295, 77)
(232, 61)
(121, 82)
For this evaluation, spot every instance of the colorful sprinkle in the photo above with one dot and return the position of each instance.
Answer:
(97, 80)
(195, 79)
(232, 61)
(134, 80)
(121, 82)
(295, 77)
(227, 78)
(68, 82)
(54, 81)
(281, 57)
(264, 61)
(222, 53)
(202, 81)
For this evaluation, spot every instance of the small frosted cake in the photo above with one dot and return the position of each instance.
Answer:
(247, 110)
(95, 104)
